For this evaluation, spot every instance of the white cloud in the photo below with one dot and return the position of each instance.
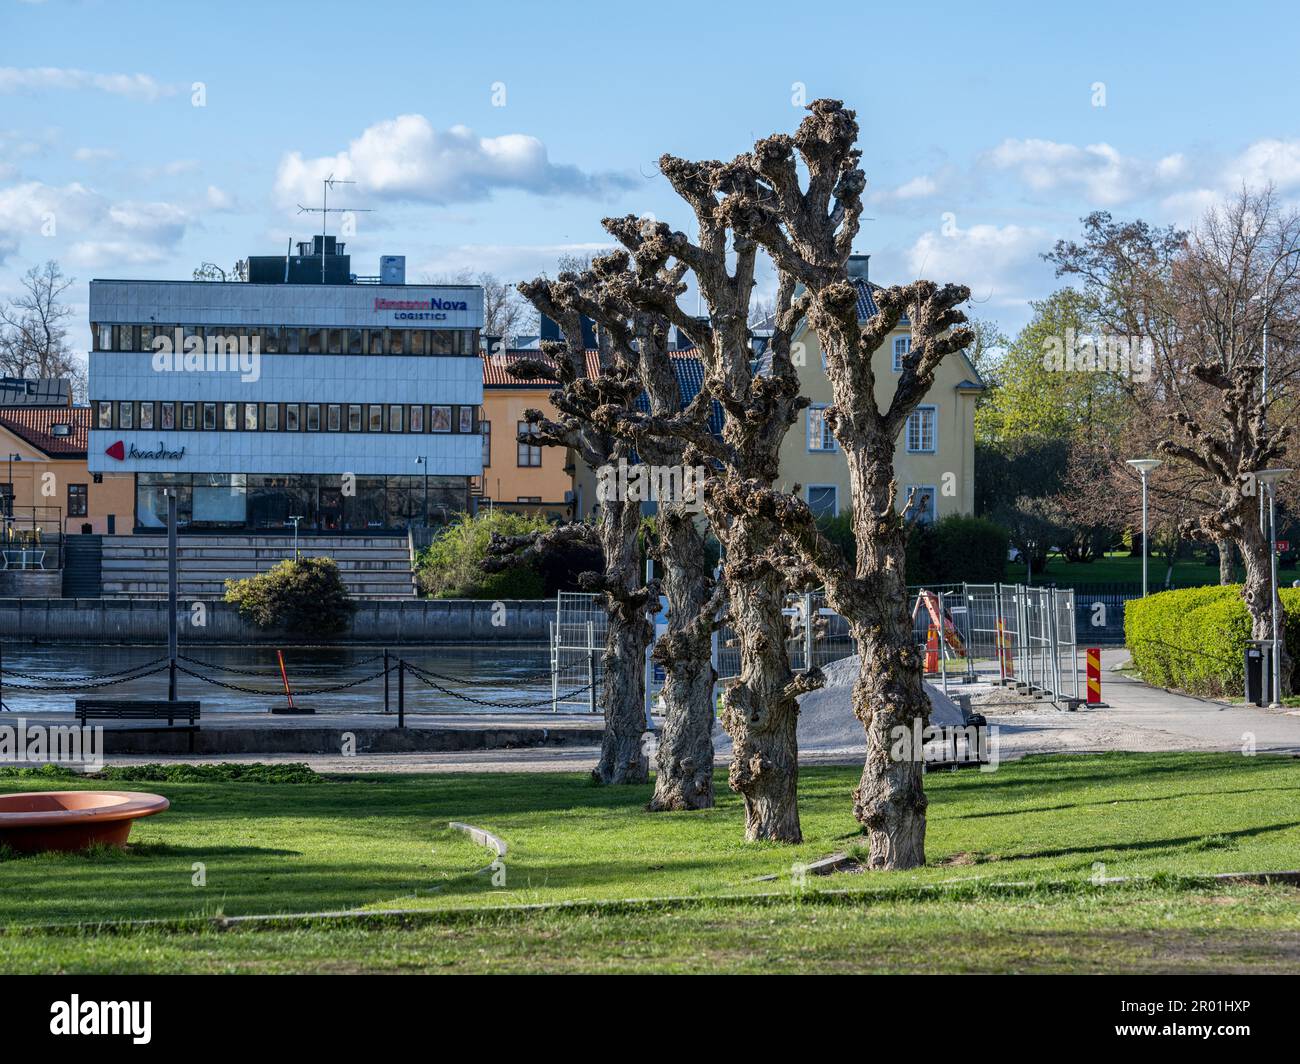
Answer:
(132, 231)
(1000, 264)
(509, 261)
(405, 158)
(1264, 162)
(37, 79)
(920, 187)
(94, 155)
(1098, 171)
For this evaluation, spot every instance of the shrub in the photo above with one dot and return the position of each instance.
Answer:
(954, 549)
(222, 772)
(1195, 638)
(450, 566)
(303, 597)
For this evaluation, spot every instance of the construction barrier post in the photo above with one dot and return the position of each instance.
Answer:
(1093, 657)
(932, 651)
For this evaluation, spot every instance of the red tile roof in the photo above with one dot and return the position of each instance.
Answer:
(496, 368)
(35, 425)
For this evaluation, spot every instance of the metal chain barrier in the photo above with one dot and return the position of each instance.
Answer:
(261, 691)
(427, 678)
(261, 672)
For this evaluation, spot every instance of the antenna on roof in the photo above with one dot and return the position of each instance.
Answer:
(325, 209)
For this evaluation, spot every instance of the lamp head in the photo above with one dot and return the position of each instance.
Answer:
(1272, 476)
(1144, 465)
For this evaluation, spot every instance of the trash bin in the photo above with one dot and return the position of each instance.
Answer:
(1259, 672)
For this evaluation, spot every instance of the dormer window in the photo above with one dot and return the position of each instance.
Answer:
(61, 428)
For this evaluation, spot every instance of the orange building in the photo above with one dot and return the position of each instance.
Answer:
(44, 483)
(518, 476)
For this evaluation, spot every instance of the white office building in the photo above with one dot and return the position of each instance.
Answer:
(352, 403)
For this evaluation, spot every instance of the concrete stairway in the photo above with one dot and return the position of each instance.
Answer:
(373, 567)
(82, 562)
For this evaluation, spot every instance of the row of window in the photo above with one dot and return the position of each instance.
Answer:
(823, 500)
(920, 434)
(902, 345)
(285, 417)
(527, 455)
(293, 340)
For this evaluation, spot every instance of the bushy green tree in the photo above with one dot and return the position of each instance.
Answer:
(450, 566)
(303, 597)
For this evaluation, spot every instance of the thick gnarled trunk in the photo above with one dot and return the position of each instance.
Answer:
(760, 711)
(1257, 592)
(684, 760)
(622, 756)
(889, 697)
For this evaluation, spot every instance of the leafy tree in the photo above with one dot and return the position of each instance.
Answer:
(451, 566)
(304, 597)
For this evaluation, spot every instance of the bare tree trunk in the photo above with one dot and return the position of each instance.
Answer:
(1257, 593)
(685, 756)
(1226, 574)
(622, 758)
(889, 697)
(760, 710)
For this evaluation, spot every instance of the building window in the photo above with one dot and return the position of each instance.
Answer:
(271, 417)
(920, 430)
(415, 342)
(528, 454)
(394, 418)
(922, 505)
(823, 500)
(395, 341)
(126, 415)
(105, 416)
(354, 417)
(314, 341)
(902, 345)
(313, 417)
(78, 496)
(375, 418)
(333, 417)
(126, 337)
(250, 417)
(819, 432)
(146, 415)
(415, 419)
(485, 429)
(167, 416)
(103, 337)
(528, 498)
(467, 419)
(209, 417)
(290, 417)
(439, 419)
(187, 417)
(230, 417)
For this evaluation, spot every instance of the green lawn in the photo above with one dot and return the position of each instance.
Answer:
(381, 842)
(1120, 568)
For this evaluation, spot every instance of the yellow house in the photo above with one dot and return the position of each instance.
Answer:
(935, 454)
(518, 476)
(44, 482)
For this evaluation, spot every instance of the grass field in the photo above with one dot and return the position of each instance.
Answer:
(381, 842)
(1120, 568)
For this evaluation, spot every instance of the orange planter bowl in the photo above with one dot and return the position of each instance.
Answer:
(37, 821)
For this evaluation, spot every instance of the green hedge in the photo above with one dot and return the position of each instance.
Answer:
(1194, 639)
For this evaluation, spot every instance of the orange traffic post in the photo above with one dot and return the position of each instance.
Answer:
(284, 675)
(1005, 656)
(1093, 657)
(932, 650)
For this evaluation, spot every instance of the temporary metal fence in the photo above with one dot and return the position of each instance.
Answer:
(578, 648)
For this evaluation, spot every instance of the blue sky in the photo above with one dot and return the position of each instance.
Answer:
(982, 136)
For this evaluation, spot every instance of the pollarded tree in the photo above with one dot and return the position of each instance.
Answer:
(809, 232)
(760, 706)
(1201, 301)
(618, 525)
(684, 759)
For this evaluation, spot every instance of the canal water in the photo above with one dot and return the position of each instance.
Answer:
(497, 677)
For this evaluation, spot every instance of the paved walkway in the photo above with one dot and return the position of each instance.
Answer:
(1136, 718)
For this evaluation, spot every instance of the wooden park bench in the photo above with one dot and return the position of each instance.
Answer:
(90, 709)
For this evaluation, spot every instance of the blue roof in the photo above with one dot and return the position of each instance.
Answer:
(690, 381)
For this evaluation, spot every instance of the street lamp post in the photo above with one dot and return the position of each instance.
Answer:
(423, 460)
(1144, 466)
(295, 518)
(1269, 478)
